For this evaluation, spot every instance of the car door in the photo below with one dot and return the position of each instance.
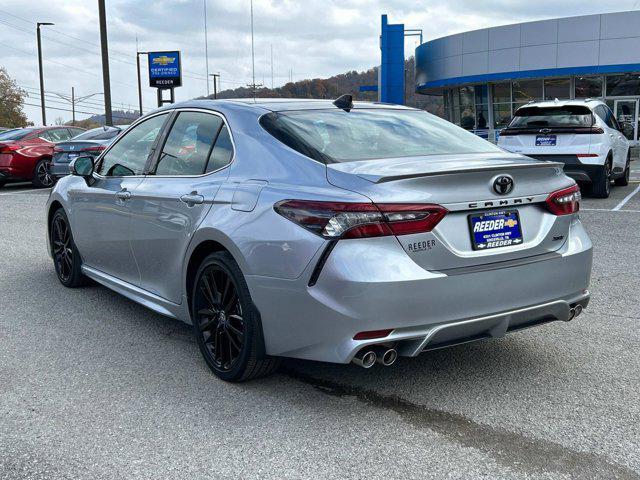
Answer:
(100, 212)
(176, 195)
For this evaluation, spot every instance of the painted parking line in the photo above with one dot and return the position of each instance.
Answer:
(607, 210)
(626, 199)
(3, 194)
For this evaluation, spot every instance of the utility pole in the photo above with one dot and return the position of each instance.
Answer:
(42, 105)
(216, 78)
(253, 84)
(73, 106)
(139, 80)
(105, 63)
(206, 45)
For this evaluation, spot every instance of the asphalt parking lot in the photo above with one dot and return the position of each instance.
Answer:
(95, 386)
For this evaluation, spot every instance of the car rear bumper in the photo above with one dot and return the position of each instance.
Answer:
(373, 285)
(10, 174)
(58, 170)
(573, 167)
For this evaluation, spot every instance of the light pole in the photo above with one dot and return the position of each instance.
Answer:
(216, 79)
(206, 44)
(139, 79)
(108, 117)
(44, 112)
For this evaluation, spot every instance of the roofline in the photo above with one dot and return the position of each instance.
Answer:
(528, 22)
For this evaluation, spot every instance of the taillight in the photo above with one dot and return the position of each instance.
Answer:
(596, 130)
(98, 148)
(58, 149)
(587, 155)
(334, 220)
(9, 148)
(565, 201)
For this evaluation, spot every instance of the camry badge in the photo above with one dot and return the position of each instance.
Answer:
(503, 185)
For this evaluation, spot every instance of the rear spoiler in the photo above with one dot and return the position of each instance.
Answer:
(481, 168)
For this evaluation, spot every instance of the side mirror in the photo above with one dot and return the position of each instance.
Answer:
(82, 167)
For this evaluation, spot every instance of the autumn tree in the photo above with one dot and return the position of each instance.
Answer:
(11, 102)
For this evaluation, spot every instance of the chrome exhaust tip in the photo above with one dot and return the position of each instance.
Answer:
(577, 310)
(365, 358)
(572, 314)
(386, 356)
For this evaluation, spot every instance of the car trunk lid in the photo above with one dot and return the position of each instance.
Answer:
(464, 185)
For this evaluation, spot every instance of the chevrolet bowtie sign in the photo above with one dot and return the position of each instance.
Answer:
(164, 69)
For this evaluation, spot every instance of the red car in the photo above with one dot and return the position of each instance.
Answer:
(26, 153)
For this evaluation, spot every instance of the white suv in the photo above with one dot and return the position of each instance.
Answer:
(582, 134)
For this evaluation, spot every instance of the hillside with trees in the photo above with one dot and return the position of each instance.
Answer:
(341, 84)
(11, 102)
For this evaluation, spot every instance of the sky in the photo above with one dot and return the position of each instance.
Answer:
(309, 39)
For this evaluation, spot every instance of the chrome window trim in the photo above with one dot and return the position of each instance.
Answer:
(225, 123)
(132, 126)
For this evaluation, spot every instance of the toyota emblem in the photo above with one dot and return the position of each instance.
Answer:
(503, 185)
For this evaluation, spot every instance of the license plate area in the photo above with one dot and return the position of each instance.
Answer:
(546, 140)
(495, 229)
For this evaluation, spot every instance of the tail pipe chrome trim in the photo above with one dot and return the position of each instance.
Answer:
(385, 356)
(365, 358)
(575, 311)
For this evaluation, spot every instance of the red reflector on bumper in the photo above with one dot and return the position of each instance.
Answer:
(371, 334)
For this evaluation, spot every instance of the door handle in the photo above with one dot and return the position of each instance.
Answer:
(123, 195)
(192, 199)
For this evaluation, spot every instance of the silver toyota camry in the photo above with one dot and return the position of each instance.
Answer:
(335, 231)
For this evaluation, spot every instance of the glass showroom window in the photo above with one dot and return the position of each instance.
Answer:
(467, 108)
(623, 85)
(482, 106)
(501, 104)
(524, 91)
(559, 88)
(588, 87)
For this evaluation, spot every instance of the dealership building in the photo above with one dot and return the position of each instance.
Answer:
(485, 75)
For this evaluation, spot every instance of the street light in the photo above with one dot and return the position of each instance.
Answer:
(44, 113)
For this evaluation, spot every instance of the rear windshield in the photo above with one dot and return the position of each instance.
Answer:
(15, 134)
(556, 117)
(332, 136)
(98, 134)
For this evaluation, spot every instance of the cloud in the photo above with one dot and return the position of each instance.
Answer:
(312, 38)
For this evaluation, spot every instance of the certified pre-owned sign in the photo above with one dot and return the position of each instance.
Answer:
(164, 70)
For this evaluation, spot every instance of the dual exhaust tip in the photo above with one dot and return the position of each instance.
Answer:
(366, 357)
(574, 311)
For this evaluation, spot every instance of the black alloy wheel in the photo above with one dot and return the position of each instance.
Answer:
(226, 323)
(220, 317)
(66, 258)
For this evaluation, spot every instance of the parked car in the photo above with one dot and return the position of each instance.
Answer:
(25, 153)
(583, 135)
(330, 231)
(92, 142)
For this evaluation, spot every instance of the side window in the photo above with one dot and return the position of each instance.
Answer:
(611, 119)
(129, 155)
(46, 135)
(222, 152)
(600, 112)
(189, 144)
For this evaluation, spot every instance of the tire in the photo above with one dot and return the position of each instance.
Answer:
(66, 258)
(226, 323)
(41, 176)
(601, 184)
(623, 181)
